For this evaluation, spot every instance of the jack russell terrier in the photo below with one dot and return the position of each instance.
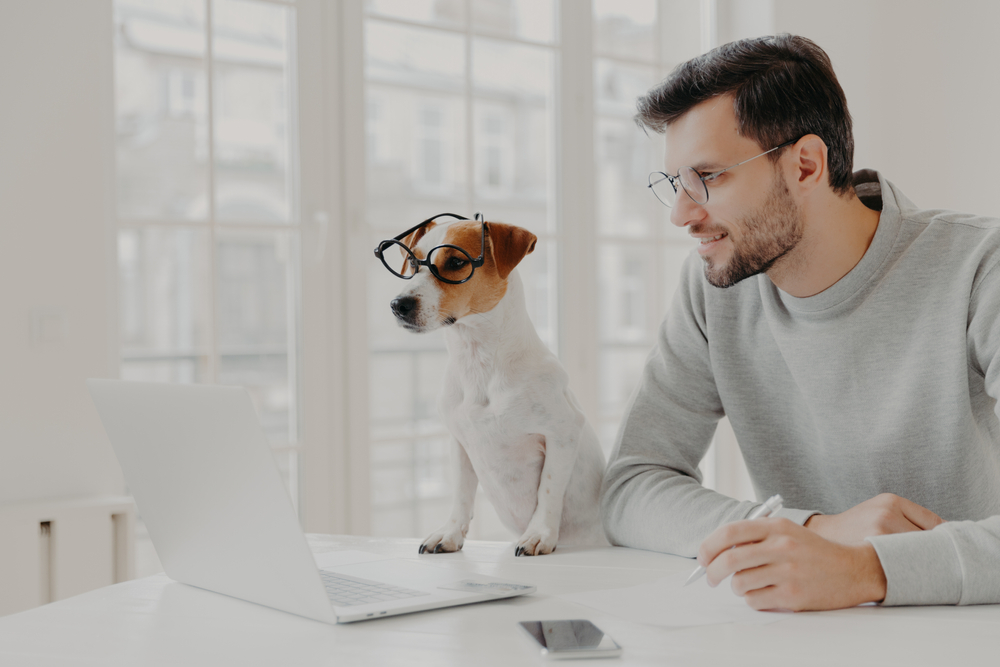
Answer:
(518, 429)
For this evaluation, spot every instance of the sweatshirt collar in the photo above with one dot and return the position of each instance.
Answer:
(878, 194)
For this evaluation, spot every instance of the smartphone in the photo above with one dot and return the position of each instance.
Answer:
(571, 639)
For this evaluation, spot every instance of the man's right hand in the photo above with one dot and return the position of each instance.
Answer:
(882, 515)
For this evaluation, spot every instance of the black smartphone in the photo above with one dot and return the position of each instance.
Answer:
(577, 638)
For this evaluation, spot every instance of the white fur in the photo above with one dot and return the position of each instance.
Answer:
(518, 429)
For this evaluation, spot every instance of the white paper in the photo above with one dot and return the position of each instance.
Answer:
(669, 603)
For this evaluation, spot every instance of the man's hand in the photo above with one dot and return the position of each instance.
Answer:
(778, 564)
(882, 515)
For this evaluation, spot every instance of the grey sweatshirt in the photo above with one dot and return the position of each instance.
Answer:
(885, 382)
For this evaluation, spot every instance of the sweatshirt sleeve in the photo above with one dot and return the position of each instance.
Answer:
(957, 562)
(652, 497)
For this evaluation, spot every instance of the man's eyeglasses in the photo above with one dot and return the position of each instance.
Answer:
(664, 186)
(448, 263)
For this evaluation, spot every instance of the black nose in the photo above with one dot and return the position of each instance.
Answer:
(404, 307)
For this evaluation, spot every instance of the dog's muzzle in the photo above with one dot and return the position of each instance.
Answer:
(405, 308)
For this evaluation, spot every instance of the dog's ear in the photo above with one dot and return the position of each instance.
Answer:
(412, 240)
(509, 245)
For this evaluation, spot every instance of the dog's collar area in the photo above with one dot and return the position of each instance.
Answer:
(414, 263)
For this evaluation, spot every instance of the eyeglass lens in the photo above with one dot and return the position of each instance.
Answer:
(401, 265)
(450, 264)
(666, 191)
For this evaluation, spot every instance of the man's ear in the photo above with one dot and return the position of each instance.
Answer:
(412, 240)
(508, 245)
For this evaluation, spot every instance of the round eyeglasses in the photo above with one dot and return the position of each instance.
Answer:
(664, 186)
(448, 263)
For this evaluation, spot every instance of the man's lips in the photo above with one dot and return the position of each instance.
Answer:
(709, 241)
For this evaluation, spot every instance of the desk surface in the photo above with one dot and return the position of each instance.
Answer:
(156, 621)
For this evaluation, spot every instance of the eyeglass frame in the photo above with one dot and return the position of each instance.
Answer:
(417, 263)
(703, 178)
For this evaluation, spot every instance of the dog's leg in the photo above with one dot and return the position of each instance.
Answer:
(451, 536)
(542, 533)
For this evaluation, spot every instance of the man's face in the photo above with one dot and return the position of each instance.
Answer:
(751, 222)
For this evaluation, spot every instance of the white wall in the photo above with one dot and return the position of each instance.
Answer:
(57, 293)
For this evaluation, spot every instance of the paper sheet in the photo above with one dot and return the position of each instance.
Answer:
(669, 603)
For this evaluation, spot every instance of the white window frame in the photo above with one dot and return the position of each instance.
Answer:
(335, 383)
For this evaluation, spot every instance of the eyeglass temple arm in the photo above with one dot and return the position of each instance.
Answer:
(722, 171)
(431, 219)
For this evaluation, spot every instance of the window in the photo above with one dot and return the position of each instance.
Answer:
(473, 87)
(636, 44)
(208, 242)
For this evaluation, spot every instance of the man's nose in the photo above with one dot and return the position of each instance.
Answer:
(686, 211)
(403, 307)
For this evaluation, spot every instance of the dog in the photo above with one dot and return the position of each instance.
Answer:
(517, 428)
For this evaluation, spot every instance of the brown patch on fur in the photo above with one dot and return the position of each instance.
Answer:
(507, 245)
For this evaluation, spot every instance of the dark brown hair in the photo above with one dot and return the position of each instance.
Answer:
(783, 88)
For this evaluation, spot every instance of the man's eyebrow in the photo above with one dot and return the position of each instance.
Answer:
(707, 167)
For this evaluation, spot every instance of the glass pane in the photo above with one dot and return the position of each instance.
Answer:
(626, 28)
(533, 20)
(161, 109)
(674, 255)
(414, 57)
(515, 99)
(680, 31)
(164, 312)
(626, 276)
(435, 12)
(416, 156)
(620, 370)
(252, 124)
(257, 312)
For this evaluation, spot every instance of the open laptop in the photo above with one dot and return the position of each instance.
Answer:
(204, 479)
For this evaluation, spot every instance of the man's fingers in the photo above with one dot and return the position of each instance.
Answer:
(731, 534)
(731, 561)
(921, 517)
(752, 579)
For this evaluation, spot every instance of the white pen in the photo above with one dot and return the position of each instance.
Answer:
(772, 505)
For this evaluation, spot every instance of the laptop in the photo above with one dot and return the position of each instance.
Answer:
(206, 484)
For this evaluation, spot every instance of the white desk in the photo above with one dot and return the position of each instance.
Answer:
(155, 621)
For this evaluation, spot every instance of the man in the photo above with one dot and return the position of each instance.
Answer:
(852, 342)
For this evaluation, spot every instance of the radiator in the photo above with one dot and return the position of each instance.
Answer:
(51, 550)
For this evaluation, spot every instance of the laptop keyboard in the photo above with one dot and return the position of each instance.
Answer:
(345, 591)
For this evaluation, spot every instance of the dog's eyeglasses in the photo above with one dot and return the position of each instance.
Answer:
(448, 263)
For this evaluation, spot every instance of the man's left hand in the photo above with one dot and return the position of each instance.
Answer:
(778, 564)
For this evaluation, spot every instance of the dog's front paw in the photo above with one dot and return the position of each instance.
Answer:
(537, 542)
(443, 541)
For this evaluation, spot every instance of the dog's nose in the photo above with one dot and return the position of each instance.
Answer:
(404, 307)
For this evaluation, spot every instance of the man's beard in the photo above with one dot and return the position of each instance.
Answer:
(770, 233)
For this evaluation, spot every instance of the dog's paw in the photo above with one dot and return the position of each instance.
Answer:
(536, 542)
(443, 542)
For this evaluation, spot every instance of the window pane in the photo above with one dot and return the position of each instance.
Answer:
(257, 311)
(433, 12)
(252, 84)
(533, 20)
(164, 313)
(626, 28)
(674, 255)
(513, 86)
(414, 57)
(161, 109)
(626, 279)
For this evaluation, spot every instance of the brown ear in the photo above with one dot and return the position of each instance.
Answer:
(509, 245)
(412, 240)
